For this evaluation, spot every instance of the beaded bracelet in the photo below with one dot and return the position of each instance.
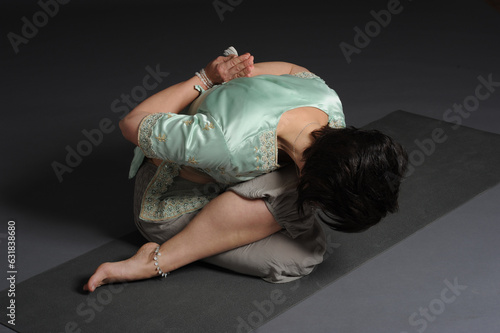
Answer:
(204, 78)
(155, 258)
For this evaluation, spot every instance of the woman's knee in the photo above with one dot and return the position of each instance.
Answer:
(277, 258)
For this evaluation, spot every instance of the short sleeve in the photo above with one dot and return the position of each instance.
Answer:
(332, 103)
(187, 140)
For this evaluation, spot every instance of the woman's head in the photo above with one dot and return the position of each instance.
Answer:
(353, 176)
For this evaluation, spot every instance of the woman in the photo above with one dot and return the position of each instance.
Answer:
(259, 118)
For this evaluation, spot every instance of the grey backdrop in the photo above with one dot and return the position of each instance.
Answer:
(72, 73)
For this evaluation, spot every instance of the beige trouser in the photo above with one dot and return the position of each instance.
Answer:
(282, 257)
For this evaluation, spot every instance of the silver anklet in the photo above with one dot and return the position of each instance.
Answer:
(155, 258)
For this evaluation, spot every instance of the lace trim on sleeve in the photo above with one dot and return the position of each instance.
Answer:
(267, 153)
(337, 123)
(145, 132)
(306, 75)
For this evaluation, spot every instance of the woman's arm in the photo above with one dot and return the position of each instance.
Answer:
(277, 68)
(175, 98)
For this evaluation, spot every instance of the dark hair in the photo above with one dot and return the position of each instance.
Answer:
(352, 176)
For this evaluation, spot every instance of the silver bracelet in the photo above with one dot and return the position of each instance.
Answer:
(155, 258)
(204, 78)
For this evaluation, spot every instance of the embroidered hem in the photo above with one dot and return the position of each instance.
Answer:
(158, 205)
(337, 123)
(306, 75)
(267, 153)
(145, 132)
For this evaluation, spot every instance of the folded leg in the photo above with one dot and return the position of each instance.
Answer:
(281, 257)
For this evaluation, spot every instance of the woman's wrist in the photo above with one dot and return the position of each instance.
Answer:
(203, 77)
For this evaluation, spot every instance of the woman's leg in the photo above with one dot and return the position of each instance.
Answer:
(227, 222)
(277, 258)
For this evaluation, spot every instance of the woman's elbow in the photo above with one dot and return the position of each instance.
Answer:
(128, 129)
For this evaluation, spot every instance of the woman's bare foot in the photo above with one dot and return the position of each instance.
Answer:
(138, 267)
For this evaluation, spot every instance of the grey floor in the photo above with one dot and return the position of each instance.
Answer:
(65, 78)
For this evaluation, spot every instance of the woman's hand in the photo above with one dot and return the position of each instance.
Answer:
(224, 69)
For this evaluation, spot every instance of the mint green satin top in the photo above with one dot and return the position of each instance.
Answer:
(229, 132)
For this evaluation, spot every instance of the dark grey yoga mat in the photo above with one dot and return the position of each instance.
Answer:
(449, 165)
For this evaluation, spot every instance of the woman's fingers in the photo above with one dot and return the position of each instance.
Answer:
(237, 66)
(224, 69)
(245, 67)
